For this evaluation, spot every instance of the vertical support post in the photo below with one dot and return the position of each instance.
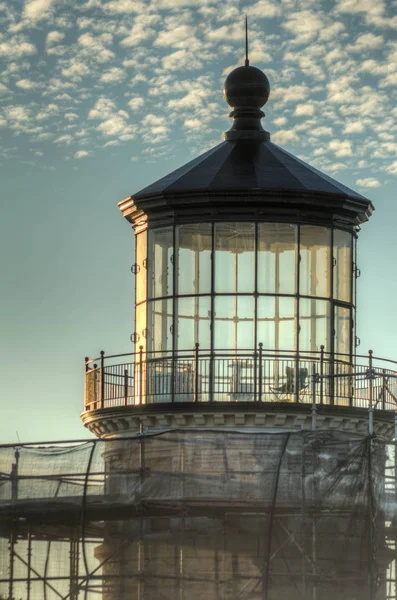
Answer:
(11, 564)
(125, 387)
(29, 564)
(371, 570)
(14, 477)
(141, 547)
(196, 372)
(321, 374)
(314, 408)
(395, 435)
(255, 374)
(102, 380)
(140, 374)
(370, 376)
(260, 372)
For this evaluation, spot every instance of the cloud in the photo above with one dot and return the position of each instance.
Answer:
(64, 139)
(369, 7)
(264, 9)
(81, 154)
(136, 103)
(96, 46)
(27, 84)
(16, 47)
(392, 168)
(114, 75)
(369, 182)
(53, 37)
(36, 10)
(366, 41)
(341, 148)
(354, 127)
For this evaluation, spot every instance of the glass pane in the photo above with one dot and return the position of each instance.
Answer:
(285, 324)
(160, 262)
(141, 261)
(342, 331)
(277, 251)
(194, 323)
(235, 257)
(234, 323)
(140, 326)
(194, 243)
(342, 255)
(314, 325)
(160, 331)
(315, 277)
(266, 322)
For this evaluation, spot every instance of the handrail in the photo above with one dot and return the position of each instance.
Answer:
(199, 375)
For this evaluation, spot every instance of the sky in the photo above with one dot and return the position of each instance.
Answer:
(99, 98)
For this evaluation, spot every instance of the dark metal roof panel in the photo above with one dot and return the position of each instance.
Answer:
(246, 165)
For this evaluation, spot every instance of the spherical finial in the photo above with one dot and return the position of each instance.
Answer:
(246, 87)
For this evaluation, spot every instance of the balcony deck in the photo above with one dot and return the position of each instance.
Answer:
(257, 376)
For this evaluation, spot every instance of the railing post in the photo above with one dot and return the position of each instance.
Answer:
(255, 373)
(260, 372)
(140, 374)
(196, 373)
(314, 408)
(86, 386)
(321, 374)
(14, 477)
(384, 389)
(125, 387)
(102, 380)
(371, 394)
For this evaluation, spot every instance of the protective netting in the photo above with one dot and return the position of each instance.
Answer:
(187, 515)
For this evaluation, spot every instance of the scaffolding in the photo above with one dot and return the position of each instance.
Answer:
(188, 514)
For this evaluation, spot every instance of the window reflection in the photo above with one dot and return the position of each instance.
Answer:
(141, 262)
(315, 251)
(215, 304)
(342, 255)
(342, 330)
(160, 325)
(277, 251)
(193, 323)
(313, 325)
(194, 243)
(234, 257)
(234, 322)
(160, 262)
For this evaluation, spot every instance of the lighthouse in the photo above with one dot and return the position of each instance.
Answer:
(244, 394)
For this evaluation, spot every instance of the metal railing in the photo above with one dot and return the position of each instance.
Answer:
(240, 376)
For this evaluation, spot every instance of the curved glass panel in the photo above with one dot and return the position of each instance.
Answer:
(160, 262)
(194, 323)
(234, 257)
(141, 262)
(342, 255)
(342, 330)
(234, 323)
(314, 325)
(315, 261)
(194, 248)
(277, 254)
(241, 287)
(160, 326)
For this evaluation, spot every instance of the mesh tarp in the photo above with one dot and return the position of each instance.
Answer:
(200, 514)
